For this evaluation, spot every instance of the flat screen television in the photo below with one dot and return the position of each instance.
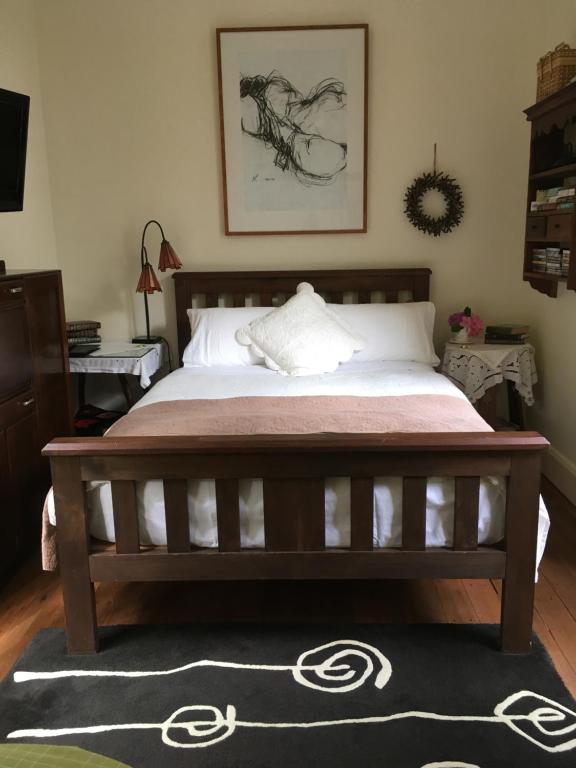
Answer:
(14, 108)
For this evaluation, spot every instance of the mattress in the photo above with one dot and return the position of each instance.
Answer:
(368, 379)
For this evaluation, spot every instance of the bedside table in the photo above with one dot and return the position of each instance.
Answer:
(477, 368)
(123, 359)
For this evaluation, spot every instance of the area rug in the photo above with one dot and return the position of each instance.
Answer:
(310, 696)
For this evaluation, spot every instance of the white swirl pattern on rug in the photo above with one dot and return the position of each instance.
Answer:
(542, 721)
(333, 674)
(206, 725)
(450, 764)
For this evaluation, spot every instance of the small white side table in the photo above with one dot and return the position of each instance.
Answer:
(118, 357)
(477, 368)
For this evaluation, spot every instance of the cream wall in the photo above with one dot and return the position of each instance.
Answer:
(26, 237)
(130, 97)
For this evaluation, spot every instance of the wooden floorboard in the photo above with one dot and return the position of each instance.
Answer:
(32, 600)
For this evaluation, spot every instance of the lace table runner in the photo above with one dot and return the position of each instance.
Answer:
(477, 367)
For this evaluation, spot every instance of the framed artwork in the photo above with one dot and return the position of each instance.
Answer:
(293, 122)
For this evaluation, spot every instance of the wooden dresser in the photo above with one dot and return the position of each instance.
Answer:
(34, 403)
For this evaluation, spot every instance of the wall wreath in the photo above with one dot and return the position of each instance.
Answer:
(453, 198)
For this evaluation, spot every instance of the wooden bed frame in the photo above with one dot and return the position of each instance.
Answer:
(293, 469)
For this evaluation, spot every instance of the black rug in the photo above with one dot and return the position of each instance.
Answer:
(287, 696)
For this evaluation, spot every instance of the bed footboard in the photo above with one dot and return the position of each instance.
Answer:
(294, 469)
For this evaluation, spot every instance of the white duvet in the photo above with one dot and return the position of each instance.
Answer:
(354, 378)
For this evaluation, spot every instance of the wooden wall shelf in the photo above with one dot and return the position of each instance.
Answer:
(560, 170)
(545, 276)
(532, 214)
(549, 150)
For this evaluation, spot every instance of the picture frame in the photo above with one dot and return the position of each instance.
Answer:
(294, 129)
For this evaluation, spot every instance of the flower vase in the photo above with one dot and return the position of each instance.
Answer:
(461, 337)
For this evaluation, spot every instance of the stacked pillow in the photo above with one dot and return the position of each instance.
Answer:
(306, 336)
(399, 332)
(302, 337)
(213, 341)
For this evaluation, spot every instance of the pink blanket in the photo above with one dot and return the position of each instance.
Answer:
(302, 415)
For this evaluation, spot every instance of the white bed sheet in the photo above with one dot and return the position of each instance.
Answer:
(368, 379)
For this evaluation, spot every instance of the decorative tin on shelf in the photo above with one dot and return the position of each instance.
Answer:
(555, 70)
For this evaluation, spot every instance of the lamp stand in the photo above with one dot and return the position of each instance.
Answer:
(147, 339)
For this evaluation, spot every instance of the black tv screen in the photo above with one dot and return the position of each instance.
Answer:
(14, 108)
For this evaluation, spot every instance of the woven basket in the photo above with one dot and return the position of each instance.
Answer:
(555, 70)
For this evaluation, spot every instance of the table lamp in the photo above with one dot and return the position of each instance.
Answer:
(148, 282)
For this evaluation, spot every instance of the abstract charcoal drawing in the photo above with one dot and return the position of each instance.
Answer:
(306, 133)
(293, 106)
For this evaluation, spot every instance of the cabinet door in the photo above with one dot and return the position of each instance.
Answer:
(15, 357)
(8, 512)
(49, 349)
(25, 489)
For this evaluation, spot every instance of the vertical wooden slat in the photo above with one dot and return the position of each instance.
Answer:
(361, 513)
(211, 300)
(266, 299)
(176, 511)
(74, 552)
(228, 513)
(522, 505)
(391, 297)
(414, 513)
(466, 496)
(294, 514)
(364, 297)
(239, 300)
(421, 287)
(336, 298)
(125, 517)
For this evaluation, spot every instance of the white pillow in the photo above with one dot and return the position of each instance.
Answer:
(213, 342)
(392, 331)
(302, 337)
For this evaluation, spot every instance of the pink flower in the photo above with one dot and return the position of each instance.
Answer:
(473, 324)
(456, 318)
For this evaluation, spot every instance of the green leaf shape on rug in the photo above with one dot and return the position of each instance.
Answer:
(47, 756)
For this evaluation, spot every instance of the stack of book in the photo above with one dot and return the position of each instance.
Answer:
(539, 259)
(553, 261)
(555, 198)
(507, 334)
(83, 332)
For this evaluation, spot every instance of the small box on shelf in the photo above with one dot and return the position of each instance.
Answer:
(555, 69)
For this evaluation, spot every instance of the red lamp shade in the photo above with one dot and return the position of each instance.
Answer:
(168, 258)
(148, 282)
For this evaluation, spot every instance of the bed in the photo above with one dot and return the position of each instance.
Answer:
(316, 504)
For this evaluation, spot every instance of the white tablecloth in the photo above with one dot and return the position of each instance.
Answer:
(477, 367)
(144, 367)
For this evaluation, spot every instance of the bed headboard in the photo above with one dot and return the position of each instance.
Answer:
(361, 286)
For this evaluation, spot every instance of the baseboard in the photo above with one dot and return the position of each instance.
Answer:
(561, 472)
